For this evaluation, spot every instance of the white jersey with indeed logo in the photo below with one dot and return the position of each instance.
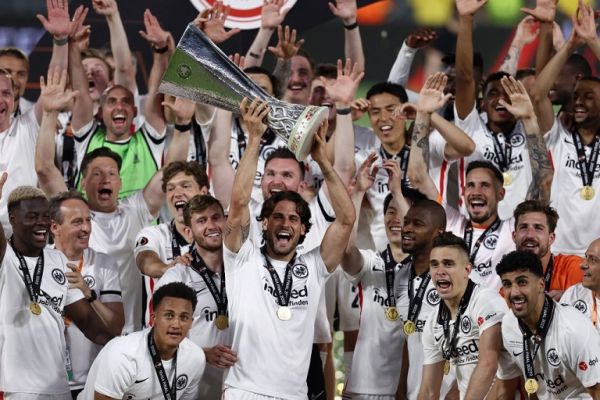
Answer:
(568, 360)
(273, 354)
(377, 357)
(485, 309)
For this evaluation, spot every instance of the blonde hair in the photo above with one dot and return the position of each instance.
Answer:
(23, 193)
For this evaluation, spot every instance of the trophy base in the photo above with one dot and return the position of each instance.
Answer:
(301, 139)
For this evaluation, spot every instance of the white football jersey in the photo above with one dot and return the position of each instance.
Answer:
(114, 233)
(273, 355)
(485, 309)
(575, 229)
(124, 370)
(101, 275)
(567, 360)
(32, 347)
(582, 299)
(520, 167)
(377, 356)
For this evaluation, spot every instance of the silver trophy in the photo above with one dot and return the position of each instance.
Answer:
(200, 71)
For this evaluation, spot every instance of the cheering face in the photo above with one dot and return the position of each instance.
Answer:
(180, 188)
(417, 231)
(282, 229)
(172, 321)
(320, 97)
(532, 234)
(7, 102)
(102, 184)
(586, 104)
(449, 268)
(591, 267)
(74, 231)
(523, 291)
(298, 89)
(263, 81)
(18, 70)
(207, 228)
(31, 222)
(393, 225)
(281, 174)
(497, 114)
(97, 73)
(118, 112)
(482, 195)
(389, 130)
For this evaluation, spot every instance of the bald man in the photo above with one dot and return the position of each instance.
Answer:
(584, 295)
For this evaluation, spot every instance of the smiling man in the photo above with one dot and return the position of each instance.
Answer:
(160, 362)
(556, 347)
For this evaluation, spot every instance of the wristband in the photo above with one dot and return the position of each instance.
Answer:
(343, 111)
(93, 297)
(351, 26)
(160, 50)
(254, 55)
(184, 127)
(60, 42)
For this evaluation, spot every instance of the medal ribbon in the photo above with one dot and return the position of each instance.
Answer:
(169, 391)
(32, 286)
(220, 296)
(444, 320)
(403, 155)
(548, 274)
(177, 241)
(503, 154)
(586, 167)
(468, 237)
(282, 291)
(543, 325)
(390, 273)
(415, 303)
(594, 309)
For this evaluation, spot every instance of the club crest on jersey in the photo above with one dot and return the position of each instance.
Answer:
(553, 358)
(142, 242)
(300, 271)
(517, 139)
(90, 281)
(491, 241)
(580, 306)
(58, 276)
(182, 381)
(433, 297)
(465, 324)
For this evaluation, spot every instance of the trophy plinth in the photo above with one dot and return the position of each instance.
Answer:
(200, 71)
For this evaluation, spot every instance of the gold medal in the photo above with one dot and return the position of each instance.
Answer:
(506, 175)
(531, 386)
(391, 313)
(409, 327)
(222, 322)
(446, 367)
(35, 308)
(587, 193)
(284, 313)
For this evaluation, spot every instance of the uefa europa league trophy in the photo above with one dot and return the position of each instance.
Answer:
(201, 72)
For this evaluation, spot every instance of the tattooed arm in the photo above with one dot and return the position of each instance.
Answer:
(237, 228)
(525, 34)
(541, 170)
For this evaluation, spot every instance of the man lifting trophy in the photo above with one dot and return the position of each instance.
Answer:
(201, 72)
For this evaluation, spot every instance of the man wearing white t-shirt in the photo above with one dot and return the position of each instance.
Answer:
(96, 276)
(556, 348)
(273, 291)
(33, 297)
(584, 295)
(158, 363)
(160, 247)
(204, 220)
(464, 333)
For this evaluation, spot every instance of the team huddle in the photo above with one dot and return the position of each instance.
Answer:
(156, 248)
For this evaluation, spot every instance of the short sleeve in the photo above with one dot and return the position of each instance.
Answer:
(507, 368)
(367, 264)
(552, 137)
(314, 258)
(147, 240)
(174, 274)
(73, 296)
(118, 374)
(432, 352)
(472, 122)
(437, 144)
(111, 284)
(137, 202)
(489, 309)
(582, 349)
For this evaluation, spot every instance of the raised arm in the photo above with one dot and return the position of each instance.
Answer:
(541, 168)
(338, 233)
(272, 15)
(458, 143)
(525, 33)
(83, 106)
(212, 23)
(490, 346)
(466, 87)
(54, 97)
(418, 39)
(585, 25)
(237, 228)
(221, 171)
(119, 45)
(3, 177)
(346, 10)
(183, 110)
(543, 12)
(286, 48)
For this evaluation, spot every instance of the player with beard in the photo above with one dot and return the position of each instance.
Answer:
(584, 295)
(535, 223)
(573, 142)
(155, 363)
(464, 333)
(277, 285)
(95, 275)
(34, 297)
(204, 220)
(555, 347)
(160, 247)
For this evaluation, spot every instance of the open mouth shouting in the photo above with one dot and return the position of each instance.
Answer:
(518, 303)
(105, 194)
(119, 121)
